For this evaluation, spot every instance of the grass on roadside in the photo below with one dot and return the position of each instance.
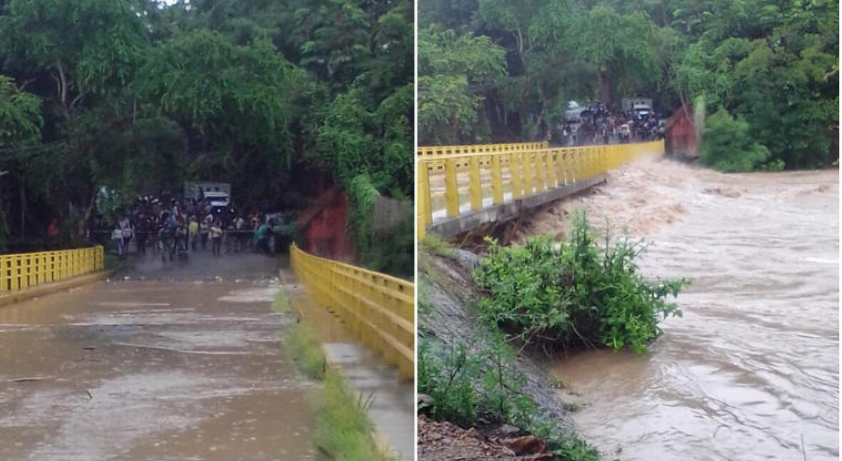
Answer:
(343, 429)
(469, 382)
(281, 302)
(305, 348)
(112, 262)
(435, 245)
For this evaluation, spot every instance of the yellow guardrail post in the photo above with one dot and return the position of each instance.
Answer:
(540, 176)
(515, 168)
(476, 185)
(552, 177)
(527, 174)
(496, 180)
(451, 189)
(425, 198)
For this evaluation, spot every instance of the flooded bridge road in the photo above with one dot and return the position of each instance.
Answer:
(162, 362)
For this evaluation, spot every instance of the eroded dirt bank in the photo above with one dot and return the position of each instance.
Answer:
(179, 367)
(751, 371)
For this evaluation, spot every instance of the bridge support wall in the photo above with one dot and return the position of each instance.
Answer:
(449, 227)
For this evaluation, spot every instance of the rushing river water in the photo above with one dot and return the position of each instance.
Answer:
(751, 370)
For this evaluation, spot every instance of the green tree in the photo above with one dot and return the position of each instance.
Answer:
(233, 101)
(20, 114)
(20, 123)
(620, 46)
(84, 48)
(729, 146)
(452, 72)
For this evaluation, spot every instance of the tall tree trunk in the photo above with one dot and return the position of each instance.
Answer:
(80, 229)
(605, 90)
(22, 209)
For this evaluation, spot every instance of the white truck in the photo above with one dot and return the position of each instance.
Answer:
(217, 193)
(641, 106)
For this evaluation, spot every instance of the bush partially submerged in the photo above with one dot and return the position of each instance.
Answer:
(575, 292)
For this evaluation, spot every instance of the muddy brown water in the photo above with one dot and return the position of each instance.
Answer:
(751, 372)
(181, 367)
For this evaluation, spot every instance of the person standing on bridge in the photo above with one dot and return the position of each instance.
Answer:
(52, 234)
(216, 237)
(204, 230)
(240, 243)
(194, 233)
(128, 233)
(117, 240)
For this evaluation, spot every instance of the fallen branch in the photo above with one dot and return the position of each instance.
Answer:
(29, 379)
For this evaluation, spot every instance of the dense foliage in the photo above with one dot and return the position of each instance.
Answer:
(465, 382)
(136, 96)
(576, 292)
(729, 146)
(771, 65)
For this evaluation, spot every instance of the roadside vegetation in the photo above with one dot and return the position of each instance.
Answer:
(281, 302)
(471, 384)
(477, 381)
(343, 430)
(582, 291)
(303, 345)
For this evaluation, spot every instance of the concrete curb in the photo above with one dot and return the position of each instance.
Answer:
(52, 288)
(381, 441)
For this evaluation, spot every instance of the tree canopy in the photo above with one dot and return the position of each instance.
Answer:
(773, 66)
(137, 96)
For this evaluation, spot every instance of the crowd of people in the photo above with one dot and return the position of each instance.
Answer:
(599, 125)
(176, 228)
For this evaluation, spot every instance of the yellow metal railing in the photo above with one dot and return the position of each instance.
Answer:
(449, 181)
(24, 270)
(378, 308)
(432, 153)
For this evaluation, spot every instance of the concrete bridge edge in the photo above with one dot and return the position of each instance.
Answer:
(451, 227)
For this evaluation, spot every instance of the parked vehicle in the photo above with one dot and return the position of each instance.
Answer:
(196, 190)
(640, 106)
(573, 112)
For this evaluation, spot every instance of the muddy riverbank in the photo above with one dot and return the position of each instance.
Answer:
(751, 371)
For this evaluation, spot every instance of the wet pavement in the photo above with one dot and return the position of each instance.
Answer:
(752, 370)
(163, 362)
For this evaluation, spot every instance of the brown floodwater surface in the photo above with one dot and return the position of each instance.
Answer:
(187, 367)
(751, 372)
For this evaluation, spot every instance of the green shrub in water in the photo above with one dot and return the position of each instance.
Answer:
(574, 292)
